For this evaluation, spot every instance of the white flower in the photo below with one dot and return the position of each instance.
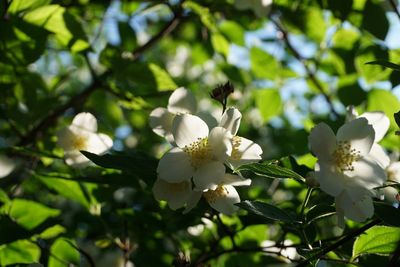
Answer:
(181, 101)
(260, 7)
(244, 151)
(224, 197)
(354, 203)
(82, 135)
(390, 194)
(177, 195)
(379, 121)
(7, 165)
(199, 153)
(347, 167)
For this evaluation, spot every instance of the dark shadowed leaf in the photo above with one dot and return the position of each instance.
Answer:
(266, 210)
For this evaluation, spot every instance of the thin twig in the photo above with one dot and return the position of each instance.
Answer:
(340, 242)
(394, 6)
(310, 74)
(98, 82)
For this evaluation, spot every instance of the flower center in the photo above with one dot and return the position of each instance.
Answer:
(199, 152)
(79, 142)
(344, 156)
(212, 195)
(236, 141)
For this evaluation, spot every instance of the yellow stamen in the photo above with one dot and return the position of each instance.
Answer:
(212, 195)
(79, 142)
(199, 152)
(344, 156)
(236, 141)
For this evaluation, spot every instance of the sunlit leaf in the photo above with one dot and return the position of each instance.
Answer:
(63, 252)
(21, 251)
(386, 101)
(382, 240)
(271, 170)
(268, 102)
(29, 213)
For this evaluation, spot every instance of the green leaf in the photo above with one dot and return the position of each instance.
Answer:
(52, 232)
(18, 6)
(137, 164)
(386, 64)
(372, 73)
(30, 214)
(19, 252)
(233, 31)
(3, 197)
(266, 210)
(65, 26)
(64, 253)
(220, 44)
(387, 213)
(397, 118)
(204, 13)
(319, 211)
(374, 19)
(263, 65)
(382, 240)
(386, 101)
(350, 91)
(271, 170)
(268, 102)
(340, 8)
(163, 80)
(68, 189)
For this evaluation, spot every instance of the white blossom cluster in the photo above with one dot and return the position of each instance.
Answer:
(198, 162)
(352, 166)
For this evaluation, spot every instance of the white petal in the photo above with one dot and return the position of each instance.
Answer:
(209, 176)
(7, 165)
(379, 121)
(235, 180)
(367, 173)
(175, 166)
(355, 209)
(379, 155)
(389, 194)
(99, 143)
(231, 120)
(322, 141)
(182, 101)
(160, 121)
(65, 139)
(394, 172)
(359, 133)
(176, 194)
(247, 152)
(76, 159)
(220, 141)
(85, 121)
(192, 201)
(187, 129)
(331, 181)
(226, 204)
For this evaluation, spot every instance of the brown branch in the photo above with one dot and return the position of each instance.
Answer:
(394, 6)
(310, 73)
(98, 82)
(340, 242)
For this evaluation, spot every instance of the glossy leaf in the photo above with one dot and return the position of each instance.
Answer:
(63, 251)
(266, 210)
(380, 240)
(271, 170)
